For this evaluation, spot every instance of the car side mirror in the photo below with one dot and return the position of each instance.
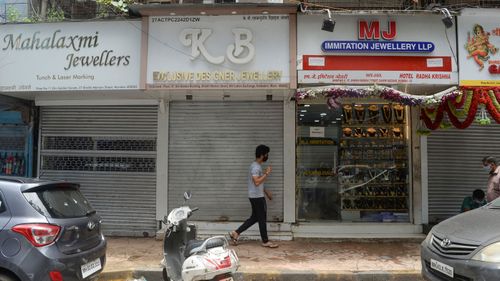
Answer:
(187, 195)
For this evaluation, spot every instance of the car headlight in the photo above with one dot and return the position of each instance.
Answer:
(490, 253)
(428, 239)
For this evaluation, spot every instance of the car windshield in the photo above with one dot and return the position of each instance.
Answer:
(59, 202)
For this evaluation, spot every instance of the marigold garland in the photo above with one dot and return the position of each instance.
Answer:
(461, 106)
(334, 93)
(465, 109)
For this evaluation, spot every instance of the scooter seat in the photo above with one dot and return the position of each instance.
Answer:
(193, 245)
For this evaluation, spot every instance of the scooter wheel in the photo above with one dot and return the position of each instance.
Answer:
(165, 275)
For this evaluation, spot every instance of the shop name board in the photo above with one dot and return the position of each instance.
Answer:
(372, 32)
(375, 46)
(70, 56)
(74, 43)
(218, 52)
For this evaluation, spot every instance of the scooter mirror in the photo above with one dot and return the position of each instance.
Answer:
(187, 195)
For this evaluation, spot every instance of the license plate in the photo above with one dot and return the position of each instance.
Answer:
(91, 267)
(441, 267)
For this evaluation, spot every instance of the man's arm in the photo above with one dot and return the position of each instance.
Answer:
(258, 180)
(268, 194)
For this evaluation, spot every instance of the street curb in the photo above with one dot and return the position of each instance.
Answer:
(156, 275)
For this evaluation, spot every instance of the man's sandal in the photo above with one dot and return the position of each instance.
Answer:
(234, 241)
(270, 245)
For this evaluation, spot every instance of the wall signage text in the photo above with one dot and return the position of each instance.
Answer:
(371, 31)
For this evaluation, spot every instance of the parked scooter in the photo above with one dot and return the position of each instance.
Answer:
(188, 259)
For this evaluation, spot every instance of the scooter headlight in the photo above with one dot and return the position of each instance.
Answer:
(180, 214)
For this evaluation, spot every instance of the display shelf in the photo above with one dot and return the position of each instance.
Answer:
(377, 145)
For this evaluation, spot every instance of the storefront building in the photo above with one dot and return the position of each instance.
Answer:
(358, 154)
(94, 125)
(224, 77)
(464, 131)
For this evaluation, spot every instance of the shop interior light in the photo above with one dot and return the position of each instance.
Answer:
(302, 115)
(317, 121)
(303, 111)
(307, 105)
(328, 24)
(322, 114)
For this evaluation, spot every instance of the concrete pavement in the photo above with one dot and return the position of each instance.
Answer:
(133, 258)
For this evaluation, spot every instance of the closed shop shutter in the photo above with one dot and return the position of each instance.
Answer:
(455, 167)
(111, 152)
(211, 147)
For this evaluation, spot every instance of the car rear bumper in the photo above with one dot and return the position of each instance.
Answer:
(69, 266)
(463, 270)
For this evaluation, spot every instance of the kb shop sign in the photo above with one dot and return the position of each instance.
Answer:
(226, 52)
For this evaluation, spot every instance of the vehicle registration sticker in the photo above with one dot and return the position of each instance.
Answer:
(441, 267)
(91, 267)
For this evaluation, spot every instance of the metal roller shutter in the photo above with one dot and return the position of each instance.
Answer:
(455, 168)
(111, 152)
(211, 147)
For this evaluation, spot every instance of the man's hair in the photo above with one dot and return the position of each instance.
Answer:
(261, 150)
(478, 194)
(490, 160)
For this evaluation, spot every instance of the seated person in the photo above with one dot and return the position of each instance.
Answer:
(477, 200)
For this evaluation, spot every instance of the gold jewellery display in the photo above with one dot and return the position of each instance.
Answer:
(347, 113)
(373, 113)
(399, 113)
(359, 111)
(387, 113)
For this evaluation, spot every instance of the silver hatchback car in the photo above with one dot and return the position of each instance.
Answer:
(48, 232)
(465, 247)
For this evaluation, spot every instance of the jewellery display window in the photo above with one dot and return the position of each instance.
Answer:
(352, 162)
(373, 165)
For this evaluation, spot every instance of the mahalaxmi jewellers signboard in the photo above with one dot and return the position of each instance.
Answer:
(70, 56)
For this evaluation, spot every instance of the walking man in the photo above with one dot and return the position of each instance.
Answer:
(256, 192)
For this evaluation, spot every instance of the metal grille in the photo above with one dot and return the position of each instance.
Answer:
(111, 152)
(453, 248)
(68, 143)
(101, 164)
(12, 143)
(98, 143)
(126, 145)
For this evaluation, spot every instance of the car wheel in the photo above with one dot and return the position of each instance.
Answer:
(4, 277)
(164, 274)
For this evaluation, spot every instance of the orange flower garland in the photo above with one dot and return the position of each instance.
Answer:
(466, 106)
